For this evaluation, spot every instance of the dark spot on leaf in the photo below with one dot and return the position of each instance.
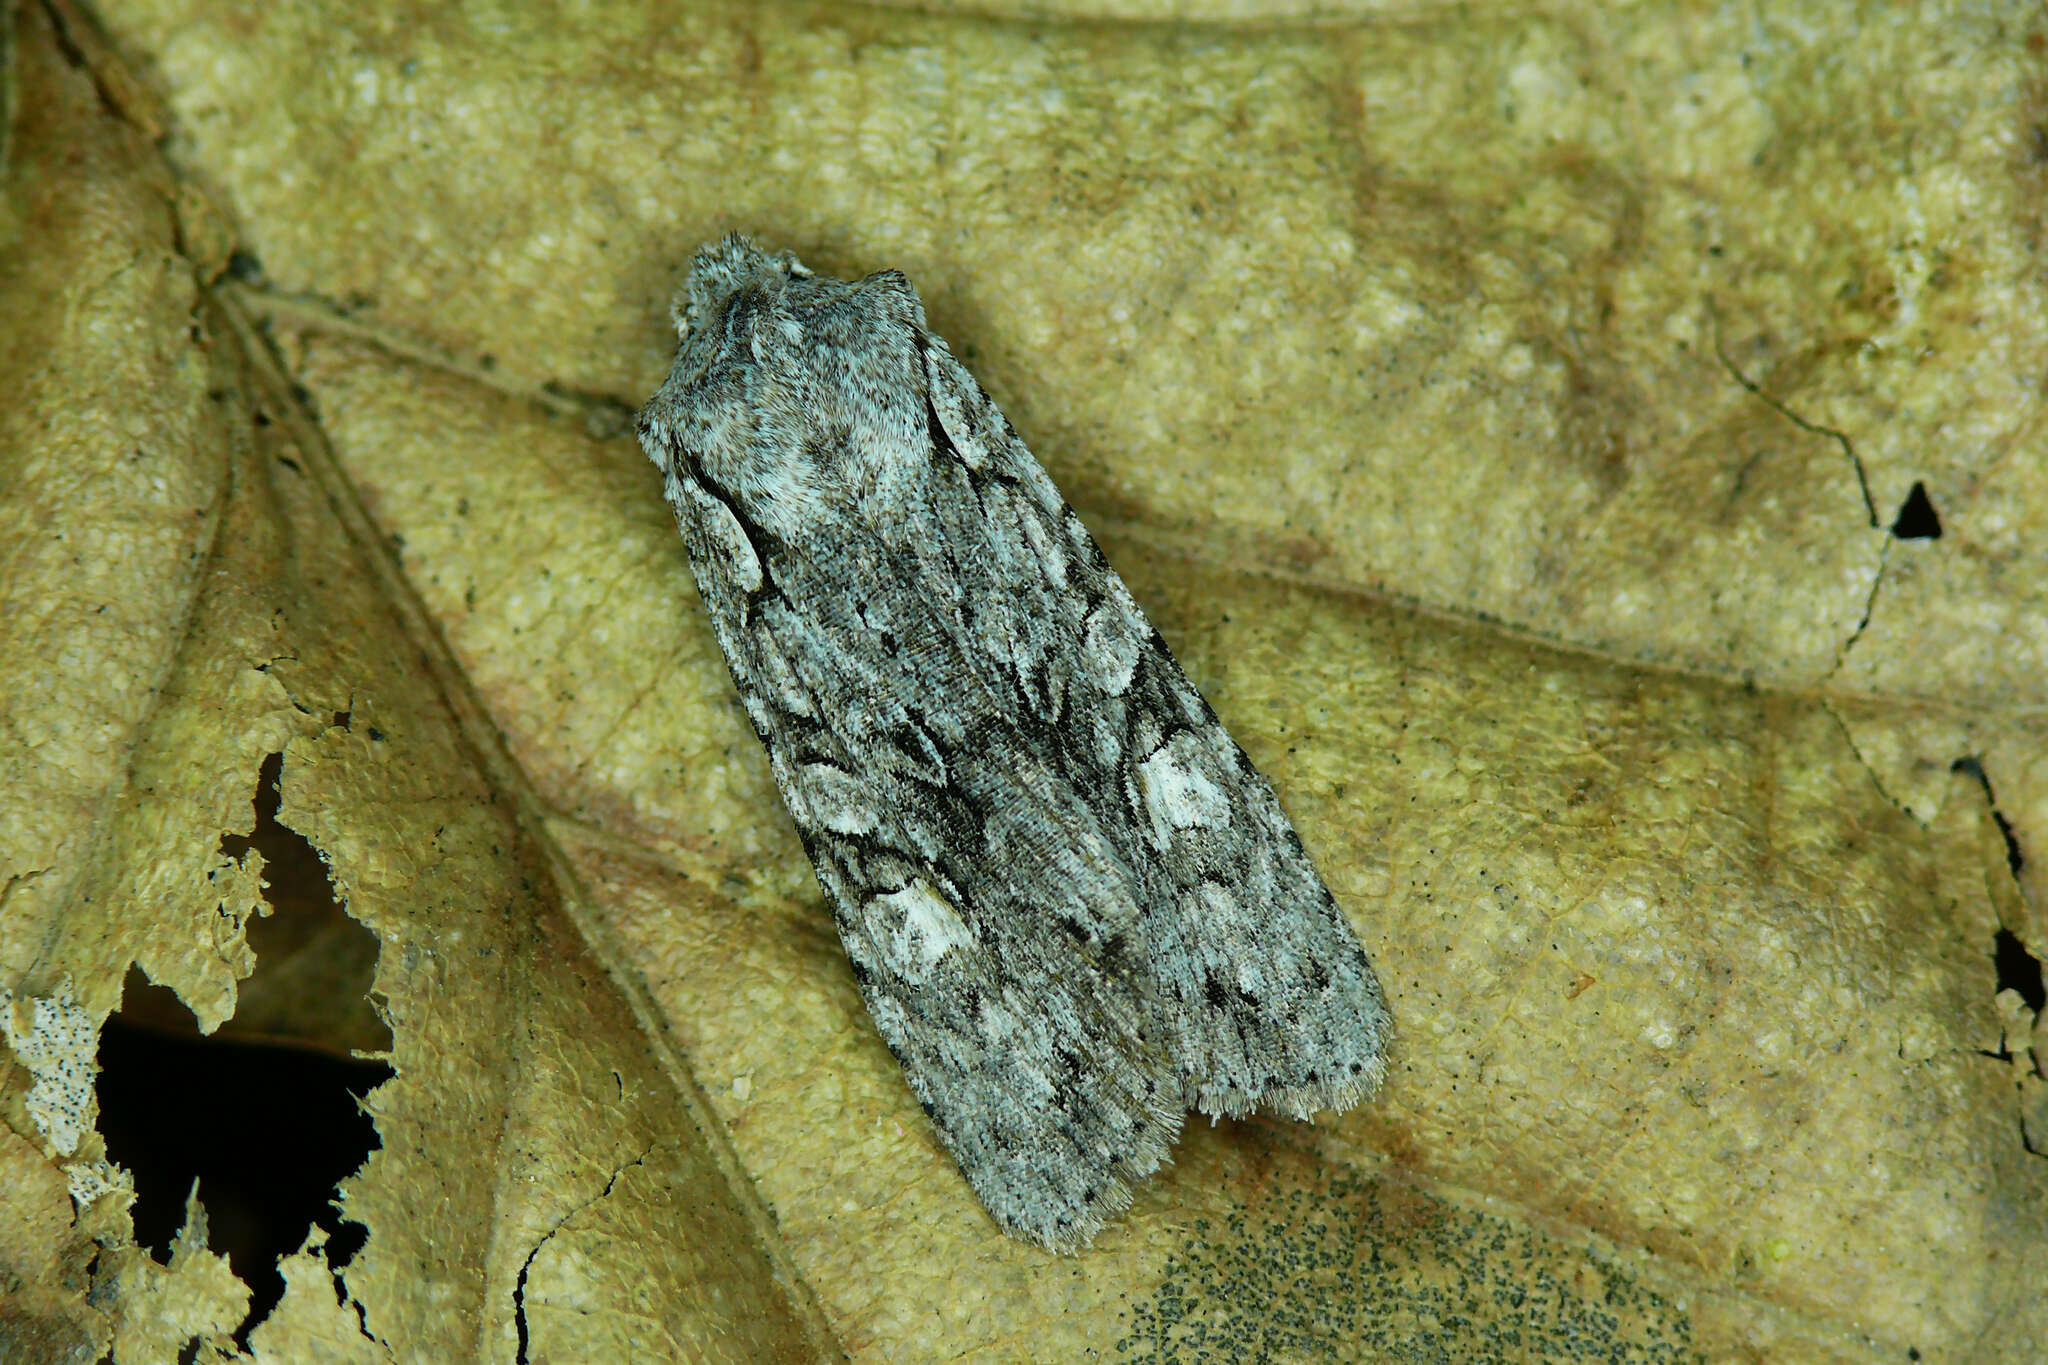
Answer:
(1917, 519)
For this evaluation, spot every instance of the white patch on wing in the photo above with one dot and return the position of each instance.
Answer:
(1109, 647)
(998, 1022)
(919, 928)
(837, 800)
(1176, 794)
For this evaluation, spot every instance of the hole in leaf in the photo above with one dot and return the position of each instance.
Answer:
(1917, 519)
(266, 1113)
(1969, 767)
(267, 1131)
(316, 967)
(2018, 969)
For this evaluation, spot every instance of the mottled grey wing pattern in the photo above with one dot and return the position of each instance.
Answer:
(1073, 907)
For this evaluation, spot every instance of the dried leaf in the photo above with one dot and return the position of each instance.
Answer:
(1527, 429)
(190, 592)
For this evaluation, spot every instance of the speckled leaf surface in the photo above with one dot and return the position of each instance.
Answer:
(1529, 430)
(187, 594)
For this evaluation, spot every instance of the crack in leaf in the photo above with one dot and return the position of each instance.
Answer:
(1884, 559)
(526, 1267)
(1777, 405)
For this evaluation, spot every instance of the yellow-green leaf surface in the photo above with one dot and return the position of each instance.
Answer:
(1527, 427)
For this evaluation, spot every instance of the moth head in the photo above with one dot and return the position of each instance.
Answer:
(722, 269)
